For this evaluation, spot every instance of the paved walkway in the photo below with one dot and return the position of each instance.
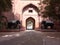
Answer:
(47, 30)
(30, 38)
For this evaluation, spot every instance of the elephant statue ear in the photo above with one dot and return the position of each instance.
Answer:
(18, 22)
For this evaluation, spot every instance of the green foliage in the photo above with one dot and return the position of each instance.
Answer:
(45, 1)
(55, 2)
(3, 21)
(5, 5)
(50, 9)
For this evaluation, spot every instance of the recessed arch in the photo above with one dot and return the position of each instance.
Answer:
(30, 6)
(30, 23)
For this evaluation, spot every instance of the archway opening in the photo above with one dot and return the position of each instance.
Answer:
(30, 23)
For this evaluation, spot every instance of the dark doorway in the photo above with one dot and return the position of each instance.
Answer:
(30, 23)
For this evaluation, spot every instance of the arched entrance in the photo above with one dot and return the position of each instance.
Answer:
(30, 14)
(30, 24)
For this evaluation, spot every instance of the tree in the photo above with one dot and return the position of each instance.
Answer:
(53, 9)
(5, 5)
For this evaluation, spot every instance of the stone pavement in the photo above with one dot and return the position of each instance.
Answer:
(47, 30)
(30, 38)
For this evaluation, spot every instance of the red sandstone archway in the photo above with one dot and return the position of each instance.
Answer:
(30, 23)
(30, 6)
